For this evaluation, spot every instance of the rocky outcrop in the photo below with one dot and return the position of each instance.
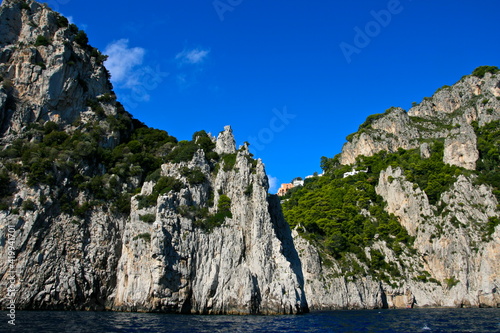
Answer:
(167, 262)
(460, 148)
(201, 234)
(327, 285)
(454, 258)
(452, 245)
(389, 131)
(225, 142)
(51, 71)
(213, 242)
(447, 115)
(453, 265)
(240, 267)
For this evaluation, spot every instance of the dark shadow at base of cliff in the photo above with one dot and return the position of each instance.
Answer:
(284, 234)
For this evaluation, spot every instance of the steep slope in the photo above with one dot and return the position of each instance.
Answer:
(448, 114)
(48, 69)
(184, 263)
(98, 211)
(418, 224)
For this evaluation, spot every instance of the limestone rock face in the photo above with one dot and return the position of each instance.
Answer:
(462, 265)
(213, 241)
(460, 148)
(242, 267)
(451, 244)
(225, 142)
(327, 287)
(459, 261)
(390, 132)
(214, 244)
(454, 261)
(447, 115)
(61, 262)
(246, 265)
(45, 70)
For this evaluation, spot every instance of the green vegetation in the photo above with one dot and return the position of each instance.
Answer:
(82, 39)
(249, 190)
(185, 150)
(488, 164)
(42, 41)
(163, 186)
(445, 87)
(368, 123)
(208, 222)
(451, 282)
(148, 218)
(28, 205)
(224, 206)
(4, 183)
(47, 156)
(144, 236)
(96, 107)
(345, 215)
(194, 176)
(107, 97)
(229, 161)
(490, 227)
(100, 58)
(62, 22)
(203, 141)
(482, 70)
(370, 120)
(84, 161)
(5, 189)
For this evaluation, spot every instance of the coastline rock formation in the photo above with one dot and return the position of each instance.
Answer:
(100, 212)
(448, 114)
(240, 267)
(94, 229)
(48, 69)
(453, 257)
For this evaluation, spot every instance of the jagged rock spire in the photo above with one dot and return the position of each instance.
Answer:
(225, 142)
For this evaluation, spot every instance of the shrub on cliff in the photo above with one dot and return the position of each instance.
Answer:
(482, 70)
(333, 210)
(42, 41)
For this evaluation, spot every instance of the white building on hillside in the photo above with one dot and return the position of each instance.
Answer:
(353, 172)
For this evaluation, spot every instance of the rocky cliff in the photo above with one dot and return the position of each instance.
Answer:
(450, 263)
(432, 170)
(448, 114)
(100, 212)
(239, 267)
(48, 69)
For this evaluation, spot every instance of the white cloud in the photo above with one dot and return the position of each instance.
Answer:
(122, 61)
(195, 56)
(273, 184)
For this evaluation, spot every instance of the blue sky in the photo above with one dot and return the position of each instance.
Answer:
(293, 78)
